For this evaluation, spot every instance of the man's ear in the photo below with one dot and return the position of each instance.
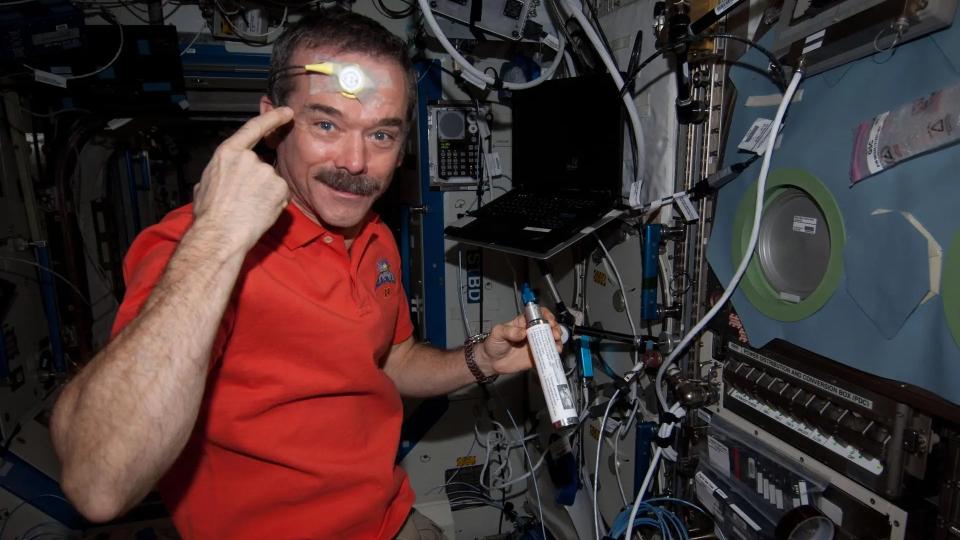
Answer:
(272, 139)
(265, 105)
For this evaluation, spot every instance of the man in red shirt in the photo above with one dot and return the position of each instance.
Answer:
(264, 341)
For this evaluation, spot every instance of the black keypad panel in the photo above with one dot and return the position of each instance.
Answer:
(459, 158)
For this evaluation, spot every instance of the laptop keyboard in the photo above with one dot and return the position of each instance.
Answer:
(536, 210)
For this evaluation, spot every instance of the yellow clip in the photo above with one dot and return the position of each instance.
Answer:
(327, 68)
(351, 78)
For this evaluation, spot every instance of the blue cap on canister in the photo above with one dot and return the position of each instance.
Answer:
(527, 295)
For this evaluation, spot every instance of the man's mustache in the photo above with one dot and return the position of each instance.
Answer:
(340, 180)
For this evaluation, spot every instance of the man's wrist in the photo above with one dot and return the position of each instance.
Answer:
(217, 239)
(476, 359)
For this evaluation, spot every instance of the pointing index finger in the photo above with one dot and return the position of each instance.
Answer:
(258, 127)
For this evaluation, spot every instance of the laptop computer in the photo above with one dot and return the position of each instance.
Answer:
(567, 170)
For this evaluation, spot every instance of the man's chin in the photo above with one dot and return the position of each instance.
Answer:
(345, 220)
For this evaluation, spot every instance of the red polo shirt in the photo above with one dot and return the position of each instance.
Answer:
(298, 429)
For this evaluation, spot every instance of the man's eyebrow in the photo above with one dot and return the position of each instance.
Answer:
(321, 108)
(391, 122)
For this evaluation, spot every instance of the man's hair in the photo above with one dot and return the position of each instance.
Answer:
(338, 31)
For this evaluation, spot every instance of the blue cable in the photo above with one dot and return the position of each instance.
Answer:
(682, 502)
(670, 525)
(679, 501)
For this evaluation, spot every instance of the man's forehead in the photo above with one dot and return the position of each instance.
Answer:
(316, 55)
(385, 77)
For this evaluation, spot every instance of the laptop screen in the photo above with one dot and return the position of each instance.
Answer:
(568, 134)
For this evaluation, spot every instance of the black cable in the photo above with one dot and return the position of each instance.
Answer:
(130, 5)
(503, 509)
(778, 67)
(282, 72)
(127, 7)
(453, 74)
(633, 147)
(597, 28)
(284, 69)
(777, 76)
(431, 65)
(635, 53)
(166, 15)
(604, 366)
(628, 82)
(392, 13)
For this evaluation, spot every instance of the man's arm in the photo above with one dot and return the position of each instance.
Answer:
(420, 370)
(120, 424)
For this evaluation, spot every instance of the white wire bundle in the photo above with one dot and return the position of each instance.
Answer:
(498, 444)
(533, 468)
(466, 493)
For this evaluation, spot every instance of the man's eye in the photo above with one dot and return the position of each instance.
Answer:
(325, 125)
(384, 136)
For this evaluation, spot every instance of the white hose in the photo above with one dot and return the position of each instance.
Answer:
(643, 489)
(568, 61)
(475, 75)
(663, 432)
(751, 245)
(641, 158)
(596, 470)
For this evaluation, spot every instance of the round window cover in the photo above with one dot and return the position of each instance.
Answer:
(951, 288)
(794, 244)
(800, 249)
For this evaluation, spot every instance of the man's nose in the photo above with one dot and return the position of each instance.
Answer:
(352, 154)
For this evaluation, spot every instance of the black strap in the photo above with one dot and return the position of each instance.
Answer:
(663, 442)
(669, 418)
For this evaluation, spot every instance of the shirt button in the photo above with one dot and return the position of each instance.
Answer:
(327, 239)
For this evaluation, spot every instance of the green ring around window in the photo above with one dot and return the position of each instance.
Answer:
(951, 288)
(754, 284)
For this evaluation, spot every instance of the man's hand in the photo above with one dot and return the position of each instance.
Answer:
(124, 419)
(239, 195)
(420, 370)
(506, 350)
